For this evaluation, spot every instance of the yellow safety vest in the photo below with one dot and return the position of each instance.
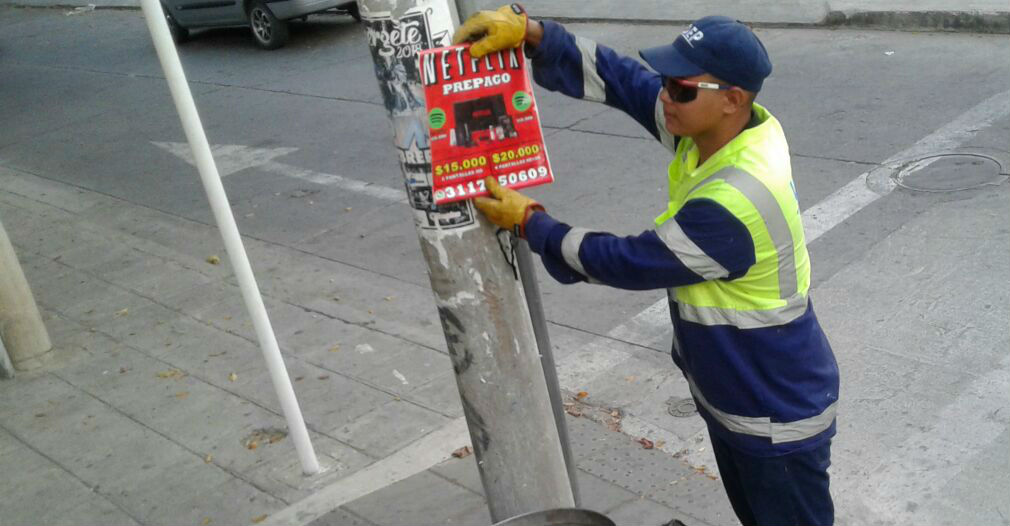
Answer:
(751, 177)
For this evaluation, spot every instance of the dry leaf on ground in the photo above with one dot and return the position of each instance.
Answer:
(214, 260)
(268, 435)
(182, 394)
(171, 373)
(646, 443)
(207, 459)
(463, 452)
(259, 519)
(122, 312)
(232, 377)
(581, 395)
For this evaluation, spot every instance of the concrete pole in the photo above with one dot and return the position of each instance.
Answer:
(473, 274)
(527, 273)
(22, 332)
(191, 125)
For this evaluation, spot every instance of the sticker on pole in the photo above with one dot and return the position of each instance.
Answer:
(483, 121)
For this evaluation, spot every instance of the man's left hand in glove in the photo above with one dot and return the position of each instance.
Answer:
(506, 207)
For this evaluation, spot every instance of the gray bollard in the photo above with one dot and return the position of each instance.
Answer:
(21, 329)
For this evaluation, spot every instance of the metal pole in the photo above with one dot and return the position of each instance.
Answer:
(176, 78)
(22, 332)
(481, 304)
(532, 290)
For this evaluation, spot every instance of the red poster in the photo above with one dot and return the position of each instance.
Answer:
(483, 121)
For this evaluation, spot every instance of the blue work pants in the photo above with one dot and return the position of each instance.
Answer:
(786, 490)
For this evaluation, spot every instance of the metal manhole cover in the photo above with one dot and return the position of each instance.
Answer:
(681, 407)
(950, 172)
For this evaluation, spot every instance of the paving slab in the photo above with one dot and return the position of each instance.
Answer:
(424, 498)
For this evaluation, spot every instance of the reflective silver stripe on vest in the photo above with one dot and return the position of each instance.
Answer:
(745, 319)
(690, 254)
(762, 426)
(592, 85)
(668, 139)
(775, 221)
(671, 295)
(570, 249)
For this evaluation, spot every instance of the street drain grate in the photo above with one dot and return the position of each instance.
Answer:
(951, 172)
(681, 407)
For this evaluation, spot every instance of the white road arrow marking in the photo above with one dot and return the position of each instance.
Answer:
(339, 181)
(232, 158)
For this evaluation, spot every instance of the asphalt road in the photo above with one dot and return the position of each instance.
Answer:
(911, 285)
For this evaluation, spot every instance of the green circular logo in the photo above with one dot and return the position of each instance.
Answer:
(522, 101)
(436, 118)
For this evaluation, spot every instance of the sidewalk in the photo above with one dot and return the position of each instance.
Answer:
(155, 406)
(976, 16)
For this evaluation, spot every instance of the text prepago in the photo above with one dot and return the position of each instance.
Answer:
(483, 121)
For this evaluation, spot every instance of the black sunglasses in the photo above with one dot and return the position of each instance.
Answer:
(684, 91)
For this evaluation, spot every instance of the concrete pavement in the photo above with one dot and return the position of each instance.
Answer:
(114, 232)
(155, 407)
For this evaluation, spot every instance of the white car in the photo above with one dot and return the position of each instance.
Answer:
(268, 19)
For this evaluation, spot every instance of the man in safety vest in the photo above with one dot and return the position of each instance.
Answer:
(729, 247)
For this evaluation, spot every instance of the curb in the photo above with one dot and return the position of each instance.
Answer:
(946, 21)
(924, 21)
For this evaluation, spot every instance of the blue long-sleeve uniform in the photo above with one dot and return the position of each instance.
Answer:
(749, 372)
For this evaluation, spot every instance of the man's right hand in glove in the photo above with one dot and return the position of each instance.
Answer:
(491, 31)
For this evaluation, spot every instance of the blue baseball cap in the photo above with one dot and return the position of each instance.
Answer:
(717, 45)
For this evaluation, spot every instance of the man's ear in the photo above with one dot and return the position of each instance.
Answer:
(736, 100)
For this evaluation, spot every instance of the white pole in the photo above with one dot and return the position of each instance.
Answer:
(169, 58)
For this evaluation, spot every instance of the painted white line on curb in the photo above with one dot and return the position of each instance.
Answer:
(413, 459)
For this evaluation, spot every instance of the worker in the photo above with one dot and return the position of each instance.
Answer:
(729, 247)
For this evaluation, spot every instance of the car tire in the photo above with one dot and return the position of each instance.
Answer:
(268, 31)
(352, 10)
(179, 34)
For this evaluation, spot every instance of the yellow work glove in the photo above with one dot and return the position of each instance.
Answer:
(493, 30)
(507, 208)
